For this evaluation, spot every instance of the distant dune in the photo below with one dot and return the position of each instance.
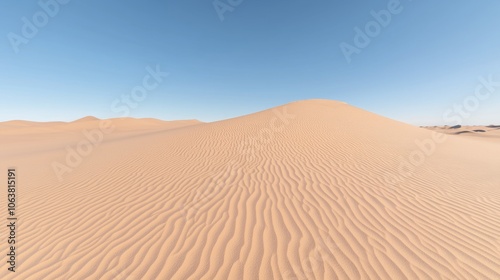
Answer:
(313, 189)
(490, 132)
(87, 119)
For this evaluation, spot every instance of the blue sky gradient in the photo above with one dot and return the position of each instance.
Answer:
(90, 53)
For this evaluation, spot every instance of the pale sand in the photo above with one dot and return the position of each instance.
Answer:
(315, 194)
(490, 132)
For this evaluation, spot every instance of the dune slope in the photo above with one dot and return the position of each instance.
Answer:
(310, 190)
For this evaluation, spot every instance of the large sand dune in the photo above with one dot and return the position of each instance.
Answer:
(309, 190)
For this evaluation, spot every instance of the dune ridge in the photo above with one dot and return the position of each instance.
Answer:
(489, 132)
(307, 190)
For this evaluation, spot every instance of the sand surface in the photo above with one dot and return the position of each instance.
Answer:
(310, 190)
(487, 132)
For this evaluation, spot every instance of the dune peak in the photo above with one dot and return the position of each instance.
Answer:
(86, 119)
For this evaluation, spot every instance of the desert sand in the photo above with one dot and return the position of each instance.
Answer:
(313, 189)
(490, 132)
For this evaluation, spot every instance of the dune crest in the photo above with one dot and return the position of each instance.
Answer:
(314, 189)
(87, 119)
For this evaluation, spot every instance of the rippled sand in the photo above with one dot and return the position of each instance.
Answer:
(310, 190)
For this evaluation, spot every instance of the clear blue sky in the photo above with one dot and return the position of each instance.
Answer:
(263, 54)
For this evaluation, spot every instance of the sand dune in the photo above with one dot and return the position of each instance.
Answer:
(489, 132)
(87, 119)
(313, 189)
(27, 127)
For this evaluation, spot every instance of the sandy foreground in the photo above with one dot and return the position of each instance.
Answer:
(310, 190)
